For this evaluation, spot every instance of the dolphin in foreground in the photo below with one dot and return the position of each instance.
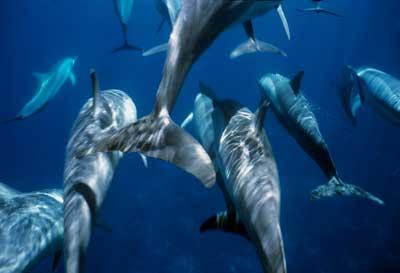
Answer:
(248, 11)
(31, 227)
(87, 179)
(49, 85)
(123, 10)
(198, 25)
(376, 88)
(317, 9)
(247, 175)
(293, 111)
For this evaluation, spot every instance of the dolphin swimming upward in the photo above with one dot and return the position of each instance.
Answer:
(293, 111)
(198, 24)
(123, 10)
(49, 85)
(317, 9)
(31, 227)
(247, 175)
(87, 179)
(376, 88)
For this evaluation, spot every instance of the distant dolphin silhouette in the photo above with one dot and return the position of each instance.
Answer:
(317, 9)
(87, 179)
(123, 10)
(49, 85)
(376, 88)
(247, 174)
(31, 227)
(293, 111)
(198, 24)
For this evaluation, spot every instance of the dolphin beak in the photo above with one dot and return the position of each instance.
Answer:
(281, 14)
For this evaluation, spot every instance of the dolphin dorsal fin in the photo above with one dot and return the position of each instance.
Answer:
(227, 221)
(249, 29)
(260, 114)
(295, 83)
(95, 89)
(208, 91)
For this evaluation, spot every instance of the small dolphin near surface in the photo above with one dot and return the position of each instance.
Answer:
(293, 111)
(198, 25)
(376, 88)
(123, 10)
(49, 85)
(87, 179)
(31, 227)
(317, 9)
(246, 173)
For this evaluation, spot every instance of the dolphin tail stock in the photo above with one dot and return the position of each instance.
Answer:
(156, 50)
(253, 46)
(159, 137)
(336, 187)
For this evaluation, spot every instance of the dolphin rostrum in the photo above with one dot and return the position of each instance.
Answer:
(293, 111)
(378, 89)
(31, 227)
(87, 179)
(198, 24)
(123, 10)
(49, 85)
(317, 9)
(246, 174)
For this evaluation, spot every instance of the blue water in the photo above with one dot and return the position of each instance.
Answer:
(155, 213)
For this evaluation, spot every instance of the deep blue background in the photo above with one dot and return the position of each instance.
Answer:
(155, 213)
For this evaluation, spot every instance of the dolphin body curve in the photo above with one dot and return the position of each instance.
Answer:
(293, 111)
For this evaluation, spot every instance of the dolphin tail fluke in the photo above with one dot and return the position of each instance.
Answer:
(159, 137)
(156, 50)
(336, 187)
(226, 221)
(126, 46)
(253, 46)
(321, 10)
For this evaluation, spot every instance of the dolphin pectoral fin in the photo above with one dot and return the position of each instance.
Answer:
(160, 26)
(159, 137)
(144, 159)
(285, 23)
(225, 221)
(254, 46)
(56, 260)
(72, 78)
(187, 120)
(155, 50)
(336, 187)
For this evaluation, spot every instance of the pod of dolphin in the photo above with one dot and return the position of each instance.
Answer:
(232, 149)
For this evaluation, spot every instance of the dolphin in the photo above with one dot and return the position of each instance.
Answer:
(293, 111)
(376, 88)
(123, 10)
(317, 9)
(246, 174)
(31, 227)
(198, 25)
(87, 179)
(248, 12)
(49, 85)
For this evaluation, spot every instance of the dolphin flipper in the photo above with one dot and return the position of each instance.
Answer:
(72, 78)
(159, 137)
(285, 23)
(156, 50)
(253, 46)
(187, 120)
(144, 159)
(336, 187)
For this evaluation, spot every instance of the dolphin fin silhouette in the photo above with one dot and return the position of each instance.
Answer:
(127, 46)
(56, 260)
(321, 10)
(285, 23)
(156, 50)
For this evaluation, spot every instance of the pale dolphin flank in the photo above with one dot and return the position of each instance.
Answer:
(123, 10)
(293, 111)
(31, 227)
(247, 175)
(49, 85)
(317, 9)
(376, 88)
(87, 179)
(198, 24)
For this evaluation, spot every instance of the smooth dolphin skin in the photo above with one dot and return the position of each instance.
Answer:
(317, 9)
(49, 85)
(376, 88)
(294, 112)
(248, 175)
(31, 227)
(87, 179)
(198, 24)
(123, 10)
